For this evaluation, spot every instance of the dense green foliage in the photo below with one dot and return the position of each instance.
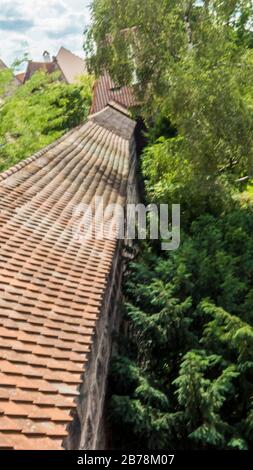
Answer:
(183, 377)
(188, 381)
(5, 81)
(37, 113)
(194, 70)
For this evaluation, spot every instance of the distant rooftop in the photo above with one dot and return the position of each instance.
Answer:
(105, 90)
(68, 64)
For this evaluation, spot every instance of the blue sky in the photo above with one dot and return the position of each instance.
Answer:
(37, 25)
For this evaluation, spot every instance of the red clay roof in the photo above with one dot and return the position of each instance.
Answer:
(105, 91)
(52, 287)
(33, 67)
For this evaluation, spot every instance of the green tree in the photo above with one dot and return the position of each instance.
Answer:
(183, 377)
(188, 382)
(5, 80)
(39, 112)
(194, 72)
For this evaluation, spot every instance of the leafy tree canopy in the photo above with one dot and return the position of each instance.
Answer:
(38, 112)
(194, 67)
(5, 80)
(183, 377)
(187, 382)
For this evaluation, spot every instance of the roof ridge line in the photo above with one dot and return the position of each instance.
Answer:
(15, 168)
(119, 107)
(114, 105)
(73, 53)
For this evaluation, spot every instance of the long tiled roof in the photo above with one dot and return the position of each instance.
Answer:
(52, 286)
(105, 90)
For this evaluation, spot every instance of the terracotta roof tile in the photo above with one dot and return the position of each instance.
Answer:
(18, 441)
(50, 413)
(105, 91)
(5, 443)
(7, 424)
(47, 428)
(52, 286)
(10, 408)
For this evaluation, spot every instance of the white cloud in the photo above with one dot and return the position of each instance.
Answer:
(37, 25)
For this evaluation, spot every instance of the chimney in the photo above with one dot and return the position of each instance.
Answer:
(46, 57)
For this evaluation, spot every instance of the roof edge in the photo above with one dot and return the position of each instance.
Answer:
(114, 105)
(119, 107)
(70, 52)
(23, 163)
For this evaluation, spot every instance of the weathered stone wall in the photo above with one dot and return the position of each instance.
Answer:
(87, 431)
